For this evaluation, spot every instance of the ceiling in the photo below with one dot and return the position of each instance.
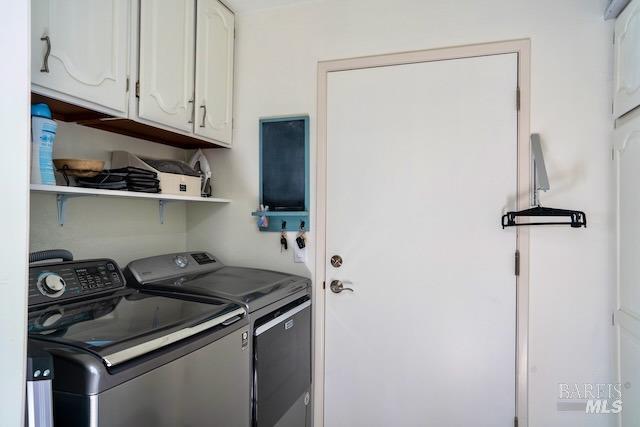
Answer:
(244, 6)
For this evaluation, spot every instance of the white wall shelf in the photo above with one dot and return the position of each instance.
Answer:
(61, 189)
(64, 193)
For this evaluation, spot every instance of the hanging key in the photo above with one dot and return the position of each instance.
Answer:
(300, 241)
(283, 242)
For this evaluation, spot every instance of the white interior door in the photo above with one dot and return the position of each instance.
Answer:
(214, 70)
(627, 315)
(167, 57)
(421, 160)
(89, 45)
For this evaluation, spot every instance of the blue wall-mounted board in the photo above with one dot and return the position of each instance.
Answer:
(284, 171)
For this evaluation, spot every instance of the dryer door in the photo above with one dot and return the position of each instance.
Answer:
(282, 368)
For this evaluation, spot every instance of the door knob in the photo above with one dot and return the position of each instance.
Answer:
(337, 286)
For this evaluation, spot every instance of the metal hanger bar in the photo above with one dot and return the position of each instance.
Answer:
(540, 178)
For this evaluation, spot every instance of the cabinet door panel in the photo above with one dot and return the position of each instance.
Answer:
(167, 30)
(627, 144)
(88, 49)
(214, 70)
(627, 60)
(629, 376)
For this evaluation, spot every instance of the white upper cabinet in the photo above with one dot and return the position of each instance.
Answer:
(79, 49)
(167, 46)
(214, 70)
(159, 64)
(627, 316)
(627, 60)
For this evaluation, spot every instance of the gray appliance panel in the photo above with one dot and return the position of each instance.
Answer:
(282, 366)
(209, 386)
(173, 265)
(299, 414)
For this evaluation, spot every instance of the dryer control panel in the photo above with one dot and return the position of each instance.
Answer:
(72, 279)
(162, 267)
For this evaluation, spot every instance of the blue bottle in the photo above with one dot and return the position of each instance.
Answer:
(43, 135)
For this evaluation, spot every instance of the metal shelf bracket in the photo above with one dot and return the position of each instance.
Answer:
(61, 200)
(161, 205)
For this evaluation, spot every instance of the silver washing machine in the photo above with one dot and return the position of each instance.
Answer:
(279, 307)
(124, 357)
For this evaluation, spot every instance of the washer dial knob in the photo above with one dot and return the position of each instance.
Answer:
(51, 285)
(181, 261)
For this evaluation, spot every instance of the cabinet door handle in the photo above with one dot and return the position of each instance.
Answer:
(45, 63)
(193, 111)
(204, 114)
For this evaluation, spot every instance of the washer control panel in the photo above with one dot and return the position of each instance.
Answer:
(72, 279)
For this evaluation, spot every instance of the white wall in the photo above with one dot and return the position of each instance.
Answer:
(14, 215)
(107, 227)
(572, 273)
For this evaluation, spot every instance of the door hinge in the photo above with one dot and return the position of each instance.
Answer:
(127, 84)
(613, 319)
(517, 263)
(518, 99)
(515, 421)
(138, 89)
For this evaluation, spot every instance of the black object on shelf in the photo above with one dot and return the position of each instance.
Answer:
(129, 178)
(576, 219)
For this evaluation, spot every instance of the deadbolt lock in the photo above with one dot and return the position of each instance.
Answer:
(336, 261)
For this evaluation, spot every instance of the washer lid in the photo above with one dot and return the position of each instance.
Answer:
(130, 324)
(251, 287)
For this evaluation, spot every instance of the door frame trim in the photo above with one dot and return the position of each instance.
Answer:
(522, 48)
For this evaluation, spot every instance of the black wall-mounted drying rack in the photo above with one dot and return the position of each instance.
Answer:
(576, 219)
